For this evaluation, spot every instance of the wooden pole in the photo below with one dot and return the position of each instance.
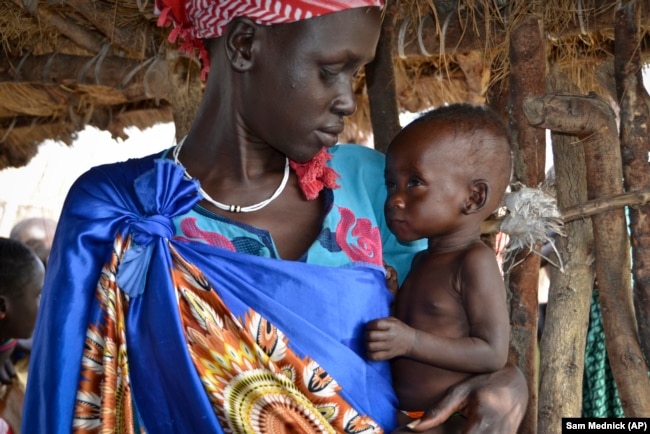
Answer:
(527, 78)
(77, 34)
(605, 203)
(186, 91)
(380, 81)
(121, 78)
(421, 37)
(562, 347)
(592, 120)
(133, 40)
(635, 145)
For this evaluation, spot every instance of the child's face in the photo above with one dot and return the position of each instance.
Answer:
(21, 309)
(427, 183)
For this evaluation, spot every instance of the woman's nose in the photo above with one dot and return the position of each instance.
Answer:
(345, 104)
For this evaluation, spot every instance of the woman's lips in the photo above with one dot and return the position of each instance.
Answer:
(329, 136)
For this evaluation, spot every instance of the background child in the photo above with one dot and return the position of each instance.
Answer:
(37, 233)
(445, 172)
(21, 280)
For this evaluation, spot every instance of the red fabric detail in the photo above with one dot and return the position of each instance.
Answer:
(192, 231)
(368, 238)
(314, 175)
(173, 13)
(195, 20)
(414, 414)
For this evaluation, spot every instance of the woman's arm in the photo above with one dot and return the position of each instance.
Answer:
(492, 403)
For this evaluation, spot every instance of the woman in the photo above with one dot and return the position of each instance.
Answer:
(225, 286)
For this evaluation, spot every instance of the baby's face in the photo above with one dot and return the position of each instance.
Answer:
(427, 184)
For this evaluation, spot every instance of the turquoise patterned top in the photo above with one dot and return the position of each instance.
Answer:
(354, 229)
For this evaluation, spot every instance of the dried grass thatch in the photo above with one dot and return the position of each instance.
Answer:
(66, 64)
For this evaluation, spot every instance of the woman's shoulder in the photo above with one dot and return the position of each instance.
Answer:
(115, 172)
(109, 183)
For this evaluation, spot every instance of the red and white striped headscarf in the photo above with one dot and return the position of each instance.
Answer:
(195, 20)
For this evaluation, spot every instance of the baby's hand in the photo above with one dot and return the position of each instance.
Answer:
(24, 345)
(7, 372)
(387, 338)
(391, 279)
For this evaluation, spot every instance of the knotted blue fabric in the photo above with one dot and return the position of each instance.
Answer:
(163, 193)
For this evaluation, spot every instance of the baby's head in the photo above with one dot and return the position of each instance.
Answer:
(456, 157)
(481, 142)
(21, 280)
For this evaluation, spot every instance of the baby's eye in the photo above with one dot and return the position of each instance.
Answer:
(390, 184)
(414, 182)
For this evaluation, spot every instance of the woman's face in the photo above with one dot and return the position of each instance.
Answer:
(300, 85)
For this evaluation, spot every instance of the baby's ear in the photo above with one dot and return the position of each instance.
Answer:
(478, 196)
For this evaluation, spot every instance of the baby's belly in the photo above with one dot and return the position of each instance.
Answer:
(419, 385)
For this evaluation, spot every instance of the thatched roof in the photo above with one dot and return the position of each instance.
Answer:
(69, 63)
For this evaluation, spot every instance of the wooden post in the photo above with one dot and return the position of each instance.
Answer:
(380, 80)
(562, 348)
(77, 34)
(592, 120)
(527, 78)
(635, 145)
(102, 16)
(186, 90)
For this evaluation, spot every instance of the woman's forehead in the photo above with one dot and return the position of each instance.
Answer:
(353, 32)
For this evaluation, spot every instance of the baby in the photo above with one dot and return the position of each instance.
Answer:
(446, 172)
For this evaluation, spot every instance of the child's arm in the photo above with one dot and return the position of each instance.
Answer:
(7, 372)
(486, 348)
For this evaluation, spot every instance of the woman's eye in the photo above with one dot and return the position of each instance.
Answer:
(329, 72)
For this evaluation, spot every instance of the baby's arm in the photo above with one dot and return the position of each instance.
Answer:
(483, 296)
(7, 372)
(486, 347)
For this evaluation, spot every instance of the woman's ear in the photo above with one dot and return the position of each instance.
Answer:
(240, 35)
(478, 196)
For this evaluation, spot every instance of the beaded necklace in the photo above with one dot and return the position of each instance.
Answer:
(235, 208)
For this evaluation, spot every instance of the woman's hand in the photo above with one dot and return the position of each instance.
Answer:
(492, 403)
